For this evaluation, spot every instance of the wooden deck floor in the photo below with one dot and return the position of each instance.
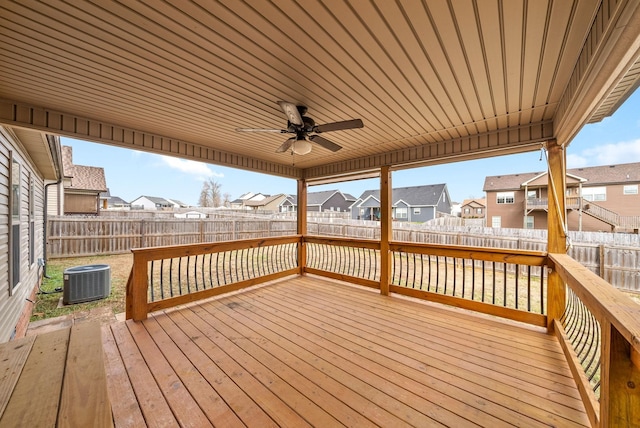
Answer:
(312, 352)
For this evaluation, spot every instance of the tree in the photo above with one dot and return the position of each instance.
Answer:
(204, 200)
(226, 200)
(210, 195)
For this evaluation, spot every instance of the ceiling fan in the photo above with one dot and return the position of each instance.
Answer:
(302, 127)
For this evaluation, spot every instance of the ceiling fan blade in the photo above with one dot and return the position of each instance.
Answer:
(330, 145)
(279, 131)
(337, 126)
(286, 145)
(291, 110)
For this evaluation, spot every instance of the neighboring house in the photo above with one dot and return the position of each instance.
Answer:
(601, 198)
(473, 208)
(117, 203)
(288, 205)
(328, 200)
(151, 203)
(29, 162)
(271, 203)
(241, 202)
(82, 186)
(190, 214)
(414, 204)
(178, 204)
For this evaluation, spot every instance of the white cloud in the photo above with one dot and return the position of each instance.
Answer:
(198, 169)
(606, 154)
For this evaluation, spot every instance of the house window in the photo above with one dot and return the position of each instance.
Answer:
(532, 194)
(14, 238)
(505, 197)
(467, 210)
(401, 212)
(594, 193)
(528, 222)
(630, 189)
(478, 210)
(496, 221)
(416, 211)
(361, 211)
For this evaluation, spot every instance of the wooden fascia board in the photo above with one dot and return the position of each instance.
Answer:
(512, 140)
(23, 115)
(610, 49)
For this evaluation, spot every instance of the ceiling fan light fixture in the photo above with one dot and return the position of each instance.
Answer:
(301, 147)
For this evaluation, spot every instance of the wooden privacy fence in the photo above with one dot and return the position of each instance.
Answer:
(613, 256)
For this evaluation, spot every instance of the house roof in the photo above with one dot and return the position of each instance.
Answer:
(117, 200)
(265, 201)
(319, 198)
(414, 196)
(177, 202)
(88, 178)
(83, 177)
(594, 176)
(431, 80)
(155, 199)
(475, 203)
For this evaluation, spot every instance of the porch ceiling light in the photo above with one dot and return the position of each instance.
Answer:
(301, 147)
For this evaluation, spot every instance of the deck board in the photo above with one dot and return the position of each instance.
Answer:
(311, 351)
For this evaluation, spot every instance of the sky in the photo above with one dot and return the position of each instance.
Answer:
(131, 174)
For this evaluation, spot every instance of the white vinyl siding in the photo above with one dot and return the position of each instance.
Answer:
(14, 298)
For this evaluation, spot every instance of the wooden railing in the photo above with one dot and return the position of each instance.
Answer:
(353, 260)
(505, 283)
(600, 335)
(163, 277)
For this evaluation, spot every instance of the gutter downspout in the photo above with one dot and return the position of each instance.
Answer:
(54, 147)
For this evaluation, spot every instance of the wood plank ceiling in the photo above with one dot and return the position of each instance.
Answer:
(432, 80)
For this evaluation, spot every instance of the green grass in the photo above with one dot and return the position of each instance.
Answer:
(47, 302)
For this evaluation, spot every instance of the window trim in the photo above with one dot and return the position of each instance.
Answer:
(591, 194)
(505, 198)
(526, 222)
(14, 218)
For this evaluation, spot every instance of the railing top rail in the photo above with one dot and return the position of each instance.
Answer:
(603, 300)
(165, 252)
(502, 255)
(344, 242)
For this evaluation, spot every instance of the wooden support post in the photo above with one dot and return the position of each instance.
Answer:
(386, 232)
(302, 224)
(620, 381)
(137, 290)
(557, 241)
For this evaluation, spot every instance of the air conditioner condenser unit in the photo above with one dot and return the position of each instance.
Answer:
(86, 283)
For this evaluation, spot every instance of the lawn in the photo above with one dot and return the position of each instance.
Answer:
(48, 299)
